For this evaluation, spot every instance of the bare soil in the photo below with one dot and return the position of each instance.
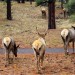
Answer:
(25, 64)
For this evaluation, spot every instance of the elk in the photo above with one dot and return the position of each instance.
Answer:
(68, 35)
(65, 12)
(43, 11)
(39, 49)
(10, 46)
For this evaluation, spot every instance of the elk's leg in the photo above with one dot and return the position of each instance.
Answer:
(42, 59)
(7, 58)
(66, 49)
(66, 45)
(13, 58)
(38, 63)
(42, 62)
(73, 46)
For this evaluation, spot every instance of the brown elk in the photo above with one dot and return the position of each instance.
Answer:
(9, 46)
(39, 49)
(43, 11)
(68, 35)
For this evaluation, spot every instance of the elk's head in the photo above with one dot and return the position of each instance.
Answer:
(42, 34)
(73, 27)
(16, 49)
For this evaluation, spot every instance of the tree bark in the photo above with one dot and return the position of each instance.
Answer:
(51, 15)
(30, 2)
(9, 17)
(23, 1)
(62, 4)
(18, 1)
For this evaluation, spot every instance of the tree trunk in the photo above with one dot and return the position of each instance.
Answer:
(62, 4)
(23, 1)
(9, 17)
(18, 1)
(51, 15)
(30, 2)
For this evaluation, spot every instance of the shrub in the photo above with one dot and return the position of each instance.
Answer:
(71, 6)
(72, 18)
(41, 2)
(38, 2)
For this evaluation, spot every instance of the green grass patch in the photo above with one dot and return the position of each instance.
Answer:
(72, 18)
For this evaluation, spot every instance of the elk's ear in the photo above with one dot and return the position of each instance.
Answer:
(18, 45)
(73, 27)
(46, 32)
(37, 31)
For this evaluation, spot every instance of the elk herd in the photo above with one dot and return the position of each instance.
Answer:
(38, 46)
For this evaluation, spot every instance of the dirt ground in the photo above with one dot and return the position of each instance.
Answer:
(23, 28)
(25, 64)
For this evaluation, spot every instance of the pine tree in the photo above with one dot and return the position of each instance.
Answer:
(9, 17)
(51, 14)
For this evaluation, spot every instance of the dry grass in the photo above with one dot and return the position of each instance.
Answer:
(23, 26)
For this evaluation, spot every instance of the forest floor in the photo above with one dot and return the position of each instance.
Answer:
(25, 64)
(26, 18)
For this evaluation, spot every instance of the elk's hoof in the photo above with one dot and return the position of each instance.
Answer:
(67, 53)
(6, 65)
(42, 67)
(39, 72)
